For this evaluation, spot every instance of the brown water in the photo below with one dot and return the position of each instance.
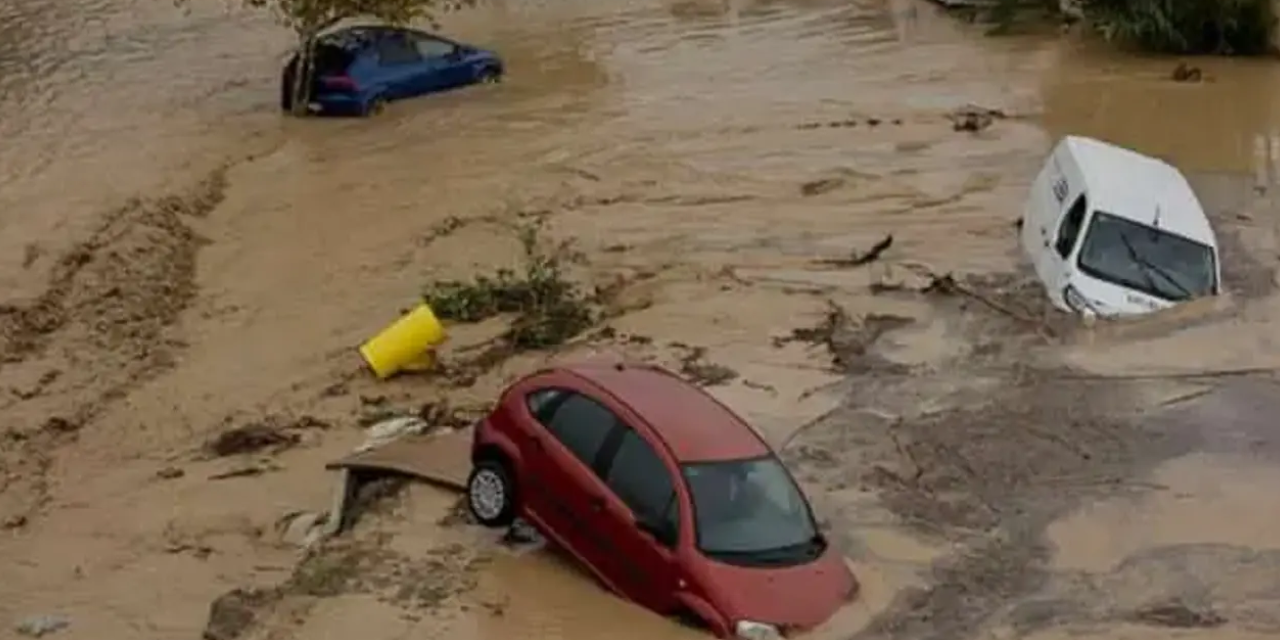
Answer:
(672, 140)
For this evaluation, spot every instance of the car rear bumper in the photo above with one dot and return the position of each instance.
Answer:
(337, 105)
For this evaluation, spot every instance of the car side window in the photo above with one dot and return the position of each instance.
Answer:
(429, 47)
(395, 49)
(639, 478)
(582, 425)
(542, 402)
(1069, 231)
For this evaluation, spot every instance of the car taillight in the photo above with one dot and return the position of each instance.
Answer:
(338, 83)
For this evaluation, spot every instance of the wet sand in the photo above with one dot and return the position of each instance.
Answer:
(709, 155)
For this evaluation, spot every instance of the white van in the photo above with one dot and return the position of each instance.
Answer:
(1113, 232)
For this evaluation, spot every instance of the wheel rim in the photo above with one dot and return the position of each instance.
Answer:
(488, 496)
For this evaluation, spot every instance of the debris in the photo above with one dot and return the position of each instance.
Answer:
(272, 432)
(14, 522)
(702, 373)
(973, 118)
(1185, 73)
(521, 533)
(1178, 614)
(58, 424)
(406, 345)
(170, 473)
(302, 528)
(857, 260)
(243, 472)
(235, 612)
(946, 284)
(441, 414)
(847, 340)
(251, 438)
(38, 626)
(819, 187)
(388, 431)
(550, 309)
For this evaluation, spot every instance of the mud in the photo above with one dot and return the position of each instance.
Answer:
(716, 182)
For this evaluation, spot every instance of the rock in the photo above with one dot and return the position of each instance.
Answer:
(235, 612)
(38, 626)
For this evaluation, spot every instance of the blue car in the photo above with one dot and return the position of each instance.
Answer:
(360, 69)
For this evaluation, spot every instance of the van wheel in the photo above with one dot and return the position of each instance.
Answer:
(491, 494)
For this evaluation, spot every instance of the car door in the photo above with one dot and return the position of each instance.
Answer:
(642, 516)
(400, 66)
(445, 69)
(560, 480)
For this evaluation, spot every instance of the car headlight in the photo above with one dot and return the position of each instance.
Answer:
(1078, 302)
(748, 630)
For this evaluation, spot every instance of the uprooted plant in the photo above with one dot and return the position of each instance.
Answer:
(550, 309)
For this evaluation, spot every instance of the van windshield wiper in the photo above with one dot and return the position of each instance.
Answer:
(1151, 267)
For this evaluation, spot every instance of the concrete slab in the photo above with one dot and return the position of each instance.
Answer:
(441, 458)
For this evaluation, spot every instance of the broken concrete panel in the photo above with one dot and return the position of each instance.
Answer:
(442, 459)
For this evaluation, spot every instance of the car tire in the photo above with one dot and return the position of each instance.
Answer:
(375, 106)
(491, 493)
(489, 75)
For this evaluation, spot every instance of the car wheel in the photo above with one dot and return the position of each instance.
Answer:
(491, 494)
(489, 75)
(375, 106)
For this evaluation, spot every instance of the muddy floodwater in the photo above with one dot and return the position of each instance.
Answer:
(176, 260)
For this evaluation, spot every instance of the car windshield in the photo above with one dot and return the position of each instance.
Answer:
(1146, 259)
(751, 512)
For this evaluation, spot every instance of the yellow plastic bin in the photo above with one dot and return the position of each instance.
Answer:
(406, 345)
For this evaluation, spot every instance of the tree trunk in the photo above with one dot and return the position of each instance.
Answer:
(1275, 26)
(304, 74)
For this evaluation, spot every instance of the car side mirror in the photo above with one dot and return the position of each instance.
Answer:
(454, 53)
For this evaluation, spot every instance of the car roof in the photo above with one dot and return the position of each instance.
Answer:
(695, 426)
(1137, 187)
(354, 36)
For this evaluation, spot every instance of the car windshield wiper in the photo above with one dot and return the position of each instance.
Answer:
(811, 548)
(1151, 267)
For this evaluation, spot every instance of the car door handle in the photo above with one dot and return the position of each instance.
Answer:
(596, 503)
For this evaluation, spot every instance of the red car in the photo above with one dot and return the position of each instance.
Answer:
(666, 495)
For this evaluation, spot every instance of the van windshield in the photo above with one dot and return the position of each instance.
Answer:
(1146, 259)
(751, 512)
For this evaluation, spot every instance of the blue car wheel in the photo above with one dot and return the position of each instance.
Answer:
(489, 75)
(375, 106)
